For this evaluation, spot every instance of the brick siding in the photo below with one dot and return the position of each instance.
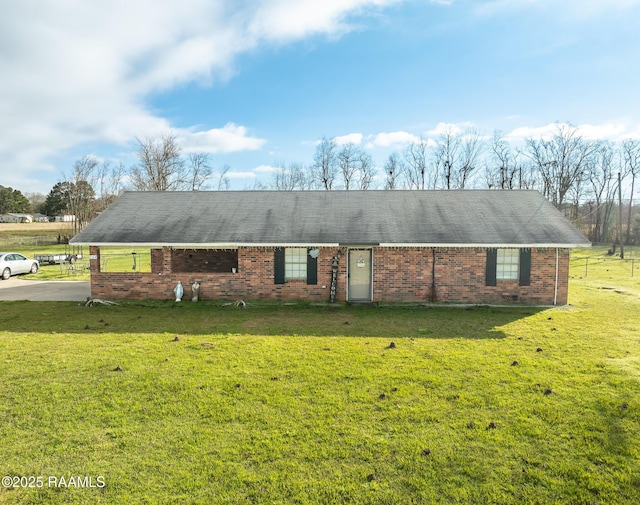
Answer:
(400, 274)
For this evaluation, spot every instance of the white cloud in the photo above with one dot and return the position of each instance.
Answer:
(79, 72)
(606, 131)
(390, 139)
(351, 138)
(267, 169)
(524, 132)
(230, 138)
(240, 175)
(450, 129)
(609, 131)
(285, 20)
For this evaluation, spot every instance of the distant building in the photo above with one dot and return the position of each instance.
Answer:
(66, 218)
(13, 217)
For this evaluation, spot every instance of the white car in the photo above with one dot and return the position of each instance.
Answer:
(12, 263)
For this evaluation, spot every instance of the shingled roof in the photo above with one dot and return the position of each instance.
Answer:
(487, 218)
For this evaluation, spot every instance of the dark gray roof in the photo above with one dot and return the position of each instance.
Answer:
(232, 218)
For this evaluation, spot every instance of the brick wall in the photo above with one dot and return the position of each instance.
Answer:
(405, 275)
(253, 279)
(399, 275)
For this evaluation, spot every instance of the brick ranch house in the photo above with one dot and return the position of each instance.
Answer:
(472, 246)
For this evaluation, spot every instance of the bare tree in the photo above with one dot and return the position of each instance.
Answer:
(366, 171)
(115, 186)
(528, 177)
(508, 168)
(289, 177)
(109, 183)
(599, 167)
(416, 158)
(348, 161)
(36, 202)
(323, 170)
(393, 169)
(447, 157)
(103, 170)
(631, 163)
(560, 161)
(80, 194)
(160, 165)
(471, 147)
(456, 157)
(199, 170)
(223, 179)
(356, 167)
(502, 171)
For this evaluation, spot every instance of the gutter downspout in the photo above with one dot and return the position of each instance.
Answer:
(555, 288)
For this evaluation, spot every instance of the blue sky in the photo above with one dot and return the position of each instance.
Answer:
(258, 82)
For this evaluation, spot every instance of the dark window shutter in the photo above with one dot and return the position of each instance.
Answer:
(525, 267)
(278, 265)
(312, 269)
(492, 262)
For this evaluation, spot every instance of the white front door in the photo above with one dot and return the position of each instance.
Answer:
(360, 273)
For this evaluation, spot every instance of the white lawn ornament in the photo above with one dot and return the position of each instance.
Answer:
(195, 288)
(178, 291)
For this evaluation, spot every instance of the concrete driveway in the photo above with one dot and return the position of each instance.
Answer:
(58, 291)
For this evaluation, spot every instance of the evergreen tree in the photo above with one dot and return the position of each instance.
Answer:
(57, 202)
(12, 200)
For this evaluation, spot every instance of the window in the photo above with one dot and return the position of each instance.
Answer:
(295, 263)
(204, 260)
(507, 265)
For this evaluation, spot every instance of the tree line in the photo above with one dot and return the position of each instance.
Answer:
(91, 186)
(581, 177)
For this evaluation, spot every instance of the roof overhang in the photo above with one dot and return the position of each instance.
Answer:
(223, 245)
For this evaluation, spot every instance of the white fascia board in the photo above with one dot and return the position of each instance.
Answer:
(290, 244)
(201, 245)
(159, 245)
(495, 246)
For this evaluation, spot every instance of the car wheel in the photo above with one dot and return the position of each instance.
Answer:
(6, 273)
(34, 268)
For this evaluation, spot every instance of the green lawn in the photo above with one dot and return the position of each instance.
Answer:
(302, 404)
(33, 242)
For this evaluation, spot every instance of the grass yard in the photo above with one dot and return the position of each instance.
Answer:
(302, 404)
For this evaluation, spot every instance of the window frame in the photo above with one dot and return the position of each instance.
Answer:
(295, 263)
(507, 264)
